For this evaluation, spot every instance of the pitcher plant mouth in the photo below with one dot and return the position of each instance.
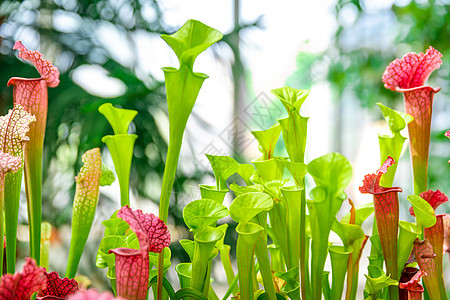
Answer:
(408, 76)
(32, 95)
(132, 265)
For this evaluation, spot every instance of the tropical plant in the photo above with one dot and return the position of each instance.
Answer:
(275, 214)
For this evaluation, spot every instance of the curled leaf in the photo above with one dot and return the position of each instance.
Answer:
(107, 177)
(151, 231)
(223, 167)
(434, 198)
(21, 286)
(58, 287)
(190, 40)
(413, 285)
(201, 213)
(13, 129)
(45, 68)
(371, 182)
(246, 206)
(412, 70)
(424, 213)
(425, 258)
(118, 118)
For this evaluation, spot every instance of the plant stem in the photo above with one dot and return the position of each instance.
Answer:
(304, 274)
(33, 186)
(173, 153)
(12, 199)
(2, 198)
(226, 263)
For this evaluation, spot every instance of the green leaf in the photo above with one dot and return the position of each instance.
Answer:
(407, 235)
(118, 118)
(271, 187)
(390, 146)
(332, 171)
(182, 88)
(292, 287)
(268, 140)
(271, 169)
(115, 226)
(153, 258)
(298, 172)
(199, 214)
(238, 190)
(349, 233)
(205, 242)
(339, 258)
(263, 296)
(104, 259)
(188, 246)
(249, 233)
(190, 40)
(294, 130)
(167, 286)
(211, 192)
(375, 285)
(184, 271)
(189, 293)
(121, 148)
(223, 167)
(395, 120)
(107, 177)
(84, 206)
(376, 256)
(246, 206)
(291, 98)
(361, 214)
(246, 171)
(220, 243)
(425, 215)
(326, 286)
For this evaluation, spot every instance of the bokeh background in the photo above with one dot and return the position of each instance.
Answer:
(110, 51)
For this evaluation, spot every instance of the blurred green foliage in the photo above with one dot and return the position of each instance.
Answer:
(74, 124)
(368, 36)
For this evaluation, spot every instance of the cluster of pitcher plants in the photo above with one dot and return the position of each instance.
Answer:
(283, 226)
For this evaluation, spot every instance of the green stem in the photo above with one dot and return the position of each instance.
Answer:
(173, 153)
(278, 221)
(350, 273)
(231, 287)
(12, 199)
(249, 233)
(212, 294)
(226, 263)
(2, 198)
(33, 186)
(264, 266)
(339, 259)
(264, 261)
(304, 274)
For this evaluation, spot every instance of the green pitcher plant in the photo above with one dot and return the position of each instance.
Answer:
(14, 128)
